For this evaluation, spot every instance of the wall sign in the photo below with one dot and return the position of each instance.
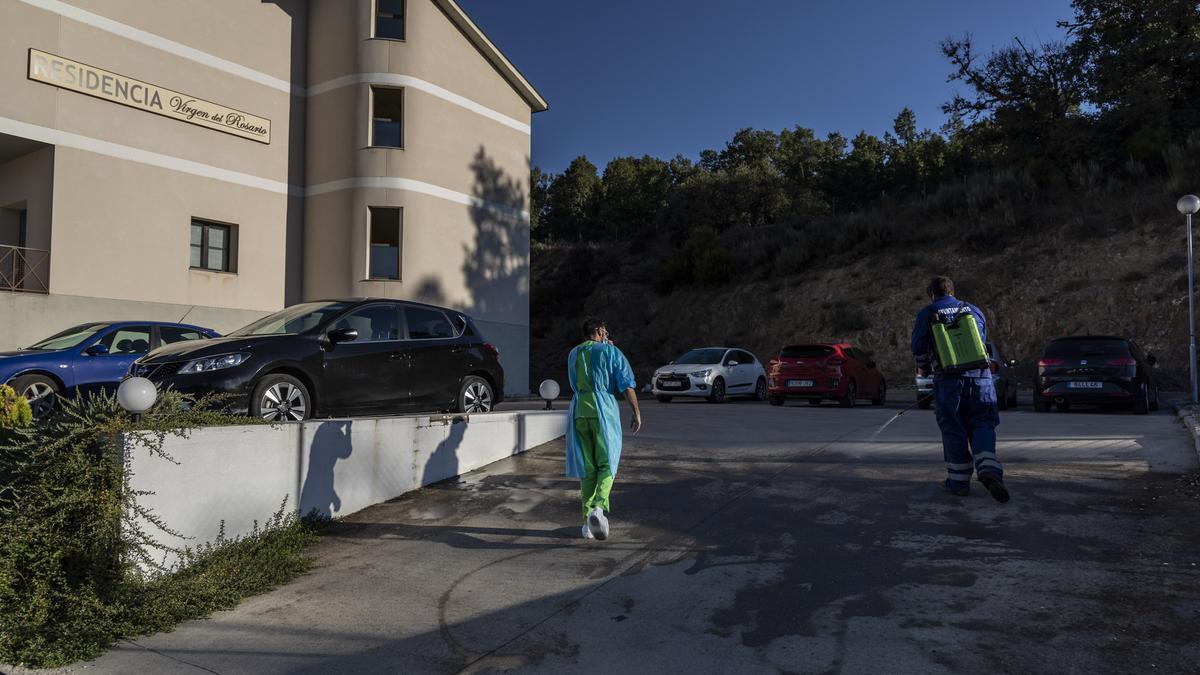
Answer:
(67, 74)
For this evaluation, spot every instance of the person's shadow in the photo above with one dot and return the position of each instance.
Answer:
(443, 463)
(331, 443)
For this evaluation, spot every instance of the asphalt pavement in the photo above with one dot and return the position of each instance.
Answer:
(748, 538)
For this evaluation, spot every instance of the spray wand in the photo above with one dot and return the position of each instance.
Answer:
(895, 417)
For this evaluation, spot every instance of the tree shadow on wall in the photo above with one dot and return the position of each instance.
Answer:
(496, 267)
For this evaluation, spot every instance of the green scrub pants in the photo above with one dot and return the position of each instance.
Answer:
(598, 479)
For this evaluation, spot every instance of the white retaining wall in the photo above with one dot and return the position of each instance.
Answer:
(239, 475)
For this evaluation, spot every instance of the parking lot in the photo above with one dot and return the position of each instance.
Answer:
(748, 538)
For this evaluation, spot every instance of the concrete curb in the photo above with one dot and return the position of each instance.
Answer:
(1189, 416)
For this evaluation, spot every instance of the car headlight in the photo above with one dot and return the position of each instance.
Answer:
(214, 363)
(701, 373)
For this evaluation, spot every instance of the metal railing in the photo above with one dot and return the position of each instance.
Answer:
(24, 270)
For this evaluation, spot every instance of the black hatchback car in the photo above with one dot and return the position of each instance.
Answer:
(1095, 370)
(339, 357)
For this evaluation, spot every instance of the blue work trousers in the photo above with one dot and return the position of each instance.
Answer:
(966, 413)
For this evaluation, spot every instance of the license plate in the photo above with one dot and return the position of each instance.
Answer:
(1085, 385)
(670, 385)
(799, 383)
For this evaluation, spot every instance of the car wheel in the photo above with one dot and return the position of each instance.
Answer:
(1154, 401)
(1002, 398)
(881, 396)
(475, 396)
(663, 399)
(1012, 400)
(718, 391)
(40, 391)
(850, 397)
(760, 389)
(776, 400)
(814, 401)
(281, 398)
(1141, 406)
(1065, 406)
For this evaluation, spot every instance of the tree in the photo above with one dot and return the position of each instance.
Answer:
(1029, 98)
(539, 198)
(572, 200)
(635, 191)
(1141, 64)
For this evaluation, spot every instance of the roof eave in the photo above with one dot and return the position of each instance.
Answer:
(493, 54)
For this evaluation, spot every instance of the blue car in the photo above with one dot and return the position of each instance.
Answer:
(87, 358)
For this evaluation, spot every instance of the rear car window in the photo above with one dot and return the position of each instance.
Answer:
(427, 324)
(170, 334)
(805, 351)
(1096, 347)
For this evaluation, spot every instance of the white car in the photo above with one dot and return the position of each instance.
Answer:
(713, 373)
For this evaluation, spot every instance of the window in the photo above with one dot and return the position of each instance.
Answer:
(384, 255)
(171, 334)
(806, 352)
(389, 19)
(387, 113)
(427, 324)
(128, 340)
(293, 320)
(374, 323)
(212, 247)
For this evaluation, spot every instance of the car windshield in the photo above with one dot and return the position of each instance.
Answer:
(805, 352)
(701, 357)
(1088, 347)
(71, 337)
(294, 319)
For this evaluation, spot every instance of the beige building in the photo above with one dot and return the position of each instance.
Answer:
(214, 161)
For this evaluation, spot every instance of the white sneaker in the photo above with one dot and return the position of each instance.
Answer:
(587, 534)
(598, 524)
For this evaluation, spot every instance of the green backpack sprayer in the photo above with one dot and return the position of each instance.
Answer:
(957, 341)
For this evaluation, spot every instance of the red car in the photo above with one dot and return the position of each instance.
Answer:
(835, 372)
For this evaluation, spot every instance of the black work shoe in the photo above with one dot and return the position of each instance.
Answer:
(957, 492)
(995, 486)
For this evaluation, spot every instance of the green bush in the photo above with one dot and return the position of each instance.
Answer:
(15, 412)
(78, 567)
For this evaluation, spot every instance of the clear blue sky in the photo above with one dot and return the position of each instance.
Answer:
(667, 77)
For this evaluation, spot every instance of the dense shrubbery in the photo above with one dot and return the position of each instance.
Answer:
(79, 569)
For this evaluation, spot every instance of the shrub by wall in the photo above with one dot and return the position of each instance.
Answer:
(77, 568)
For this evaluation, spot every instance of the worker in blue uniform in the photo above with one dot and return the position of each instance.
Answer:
(964, 403)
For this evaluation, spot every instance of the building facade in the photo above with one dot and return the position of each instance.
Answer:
(212, 162)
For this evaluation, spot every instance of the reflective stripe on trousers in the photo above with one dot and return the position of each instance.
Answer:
(966, 413)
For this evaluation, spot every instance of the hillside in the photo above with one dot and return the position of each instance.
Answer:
(1038, 271)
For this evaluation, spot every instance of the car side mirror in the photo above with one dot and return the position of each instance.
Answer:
(96, 350)
(732, 364)
(343, 335)
(1013, 363)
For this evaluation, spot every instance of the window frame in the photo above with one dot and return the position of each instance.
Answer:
(397, 310)
(408, 335)
(371, 89)
(229, 264)
(375, 22)
(399, 248)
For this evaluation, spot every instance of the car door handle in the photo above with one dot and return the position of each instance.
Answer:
(396, 356)
(457, 349)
